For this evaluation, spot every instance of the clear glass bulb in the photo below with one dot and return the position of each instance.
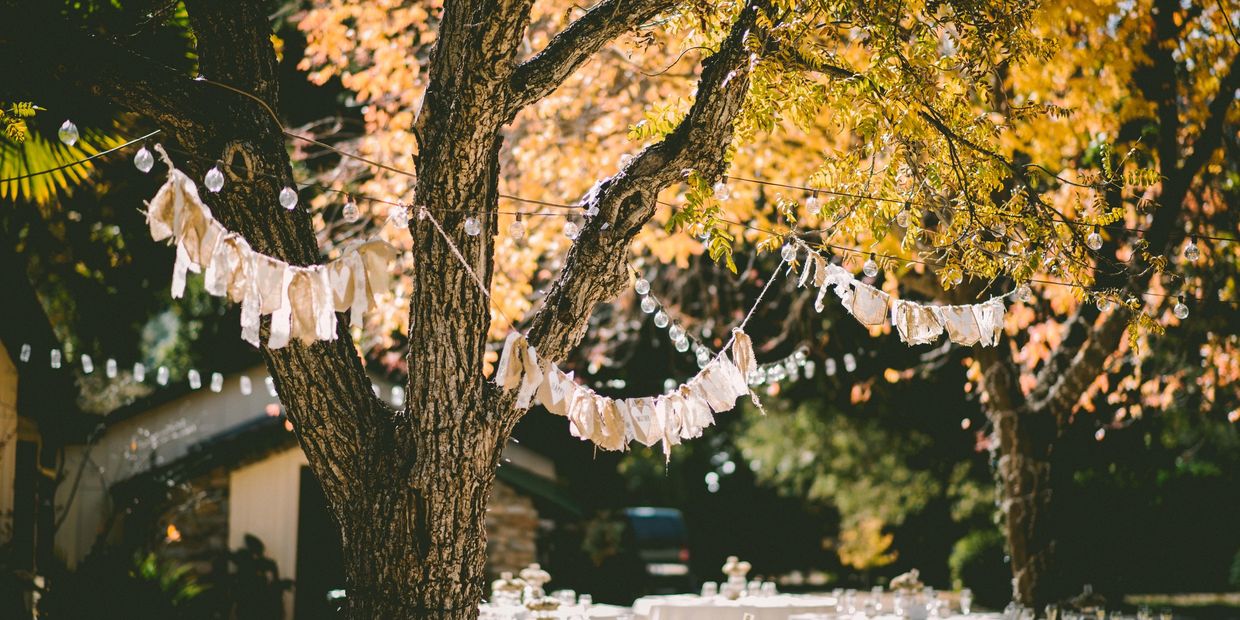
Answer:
(1104, 304)
(143, 160)
(642, 286)
(288, 198)
(648, 305)
(161, 375)
(350, 212)
(870, 268)
(25, 353)
(55, 358)
(788, 253)
(811, 205)
(1094, 241)
(1024, 294)
(139, 372)
(902, 218)
(88, 365)
(516, 229)
(195, 379)
(214, 180)
(957, 277)
(398, 215)
(217, 382)
(1180, 310)
(1191, 251)
(721, 191)
(473, 227)
(68, 133)
(682, 345)
(571, 230)
(661, 319)
(703, 358)
(676, 332)
(247, 386)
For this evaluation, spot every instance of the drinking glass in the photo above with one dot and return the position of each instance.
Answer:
(1145, 613)
(1052, 612)
(710, 589)
(585, 601)
(1165, 614)
(769, 588)
(566, 597)
(966, 601)
(753, 588)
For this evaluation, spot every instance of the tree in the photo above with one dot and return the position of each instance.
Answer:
(408, 488)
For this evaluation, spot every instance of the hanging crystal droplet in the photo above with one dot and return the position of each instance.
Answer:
(1180, 309)
(870, 268)
(68, 133)
(54, 358)
(648, 305)
(350, 212)
(812, 205)
(676, 332)
(902, 218)
(642, 286)
(288, 198)
(721, 191)
(1104, 304)
(139, 372)
(703, 358)
(214, 180)
(88, 365)
(473, 227)
(398, 215)
(661, 319)
(195, 379)
(571, 231)
(143, 160)
(1191, 251)
(516, 229)
(681, 345)
(788, 253)
(1094, 241)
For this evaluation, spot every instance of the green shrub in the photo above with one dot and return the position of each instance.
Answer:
(977, 562)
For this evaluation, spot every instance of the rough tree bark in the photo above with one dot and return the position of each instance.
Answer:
(408, 488)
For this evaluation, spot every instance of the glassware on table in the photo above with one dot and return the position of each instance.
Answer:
(753, 587)
(585, 601)
(1028, 613)
(1165, 614)
(567, 597)
(1144, 612)
(966, 601)
(871, 607)
(710, 589)
(1052, 612)
(900, 604)
(769, 588)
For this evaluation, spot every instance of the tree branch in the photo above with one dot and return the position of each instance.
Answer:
(1211, 136)
(595, 268)
(539, 76)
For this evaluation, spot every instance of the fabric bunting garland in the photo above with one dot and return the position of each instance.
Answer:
(915, 323)
(301, 301)
(611, 424)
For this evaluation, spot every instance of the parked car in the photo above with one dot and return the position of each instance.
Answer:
(658, 539)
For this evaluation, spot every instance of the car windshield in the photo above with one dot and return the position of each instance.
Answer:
(658, 531)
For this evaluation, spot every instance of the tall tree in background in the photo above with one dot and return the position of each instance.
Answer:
(906, 92)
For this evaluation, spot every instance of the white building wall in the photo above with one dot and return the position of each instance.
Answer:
(8, 441)
(263, 500)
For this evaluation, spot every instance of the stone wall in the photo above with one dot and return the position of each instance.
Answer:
(512, 530)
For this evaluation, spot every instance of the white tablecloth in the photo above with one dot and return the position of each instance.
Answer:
(517, 612)
(693, 607)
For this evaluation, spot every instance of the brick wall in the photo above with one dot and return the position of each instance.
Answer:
(512, 530)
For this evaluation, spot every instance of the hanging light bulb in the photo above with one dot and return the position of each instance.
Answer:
(350, 212)
(1191, 251)
(516, 229)
(681, 345)
(1024, 294)
(139, 372)
(288, 198)
(676, 332)
(398, 215)
(1181, 309)
(195, 379)
(68, 133)
(1104, 304)
(648, 305)
(642, 286)
(88, 365)
(247, 386)
(721, 191)
(956, 277)
(902, 218)
(217, 382)
(661, 319)
(214, 180)
(54, 358)
(143, 160)
(1094, 240)
(473, 227)
(270, 384)
(811, 204)
(703, 357)
(109, 368)
(25, 353)
(161, 375)
(789, 252)
(571, 230)
(870, 268)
